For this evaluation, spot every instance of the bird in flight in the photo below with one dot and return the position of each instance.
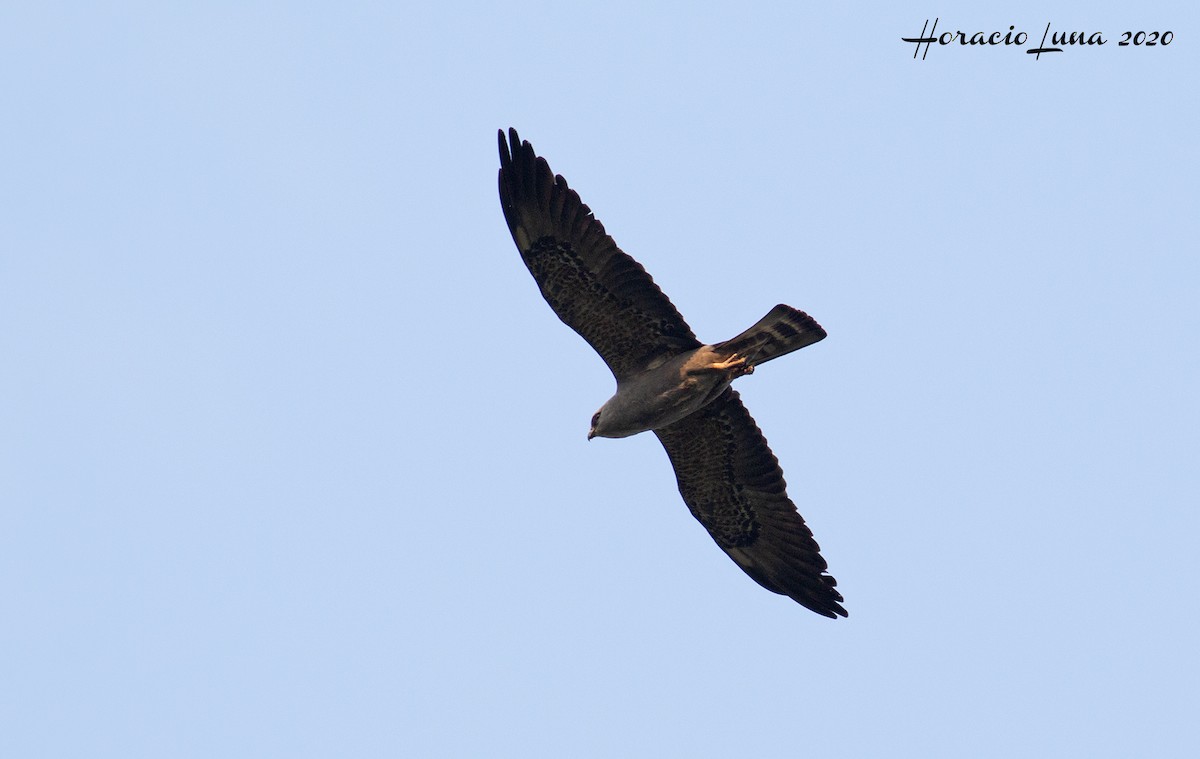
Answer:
(668, 381)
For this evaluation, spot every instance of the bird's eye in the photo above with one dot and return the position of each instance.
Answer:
(595, 418)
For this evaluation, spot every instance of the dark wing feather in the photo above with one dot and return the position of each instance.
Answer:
(597, 290)
(733, 484)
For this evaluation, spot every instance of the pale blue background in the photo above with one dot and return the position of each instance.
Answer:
(293, 454)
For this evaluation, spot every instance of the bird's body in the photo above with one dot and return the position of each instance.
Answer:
(668, 382)
(686, 382)
(663, 394)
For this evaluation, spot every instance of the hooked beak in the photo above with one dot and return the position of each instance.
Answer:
(591, 433)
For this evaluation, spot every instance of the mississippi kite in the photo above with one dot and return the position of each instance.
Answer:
(668, 382)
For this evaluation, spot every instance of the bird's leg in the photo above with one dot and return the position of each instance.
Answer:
(736, 365)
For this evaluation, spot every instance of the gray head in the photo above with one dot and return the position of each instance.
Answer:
(612, 420)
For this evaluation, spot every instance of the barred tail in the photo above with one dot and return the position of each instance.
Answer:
(780, 332)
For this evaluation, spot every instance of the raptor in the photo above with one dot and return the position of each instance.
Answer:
(669, 382)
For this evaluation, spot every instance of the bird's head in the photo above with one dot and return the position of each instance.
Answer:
(595, 423)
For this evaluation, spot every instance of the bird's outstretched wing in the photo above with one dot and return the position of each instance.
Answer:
(732, 483)
(597, 290)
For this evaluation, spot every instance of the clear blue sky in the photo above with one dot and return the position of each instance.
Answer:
(293, 457)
